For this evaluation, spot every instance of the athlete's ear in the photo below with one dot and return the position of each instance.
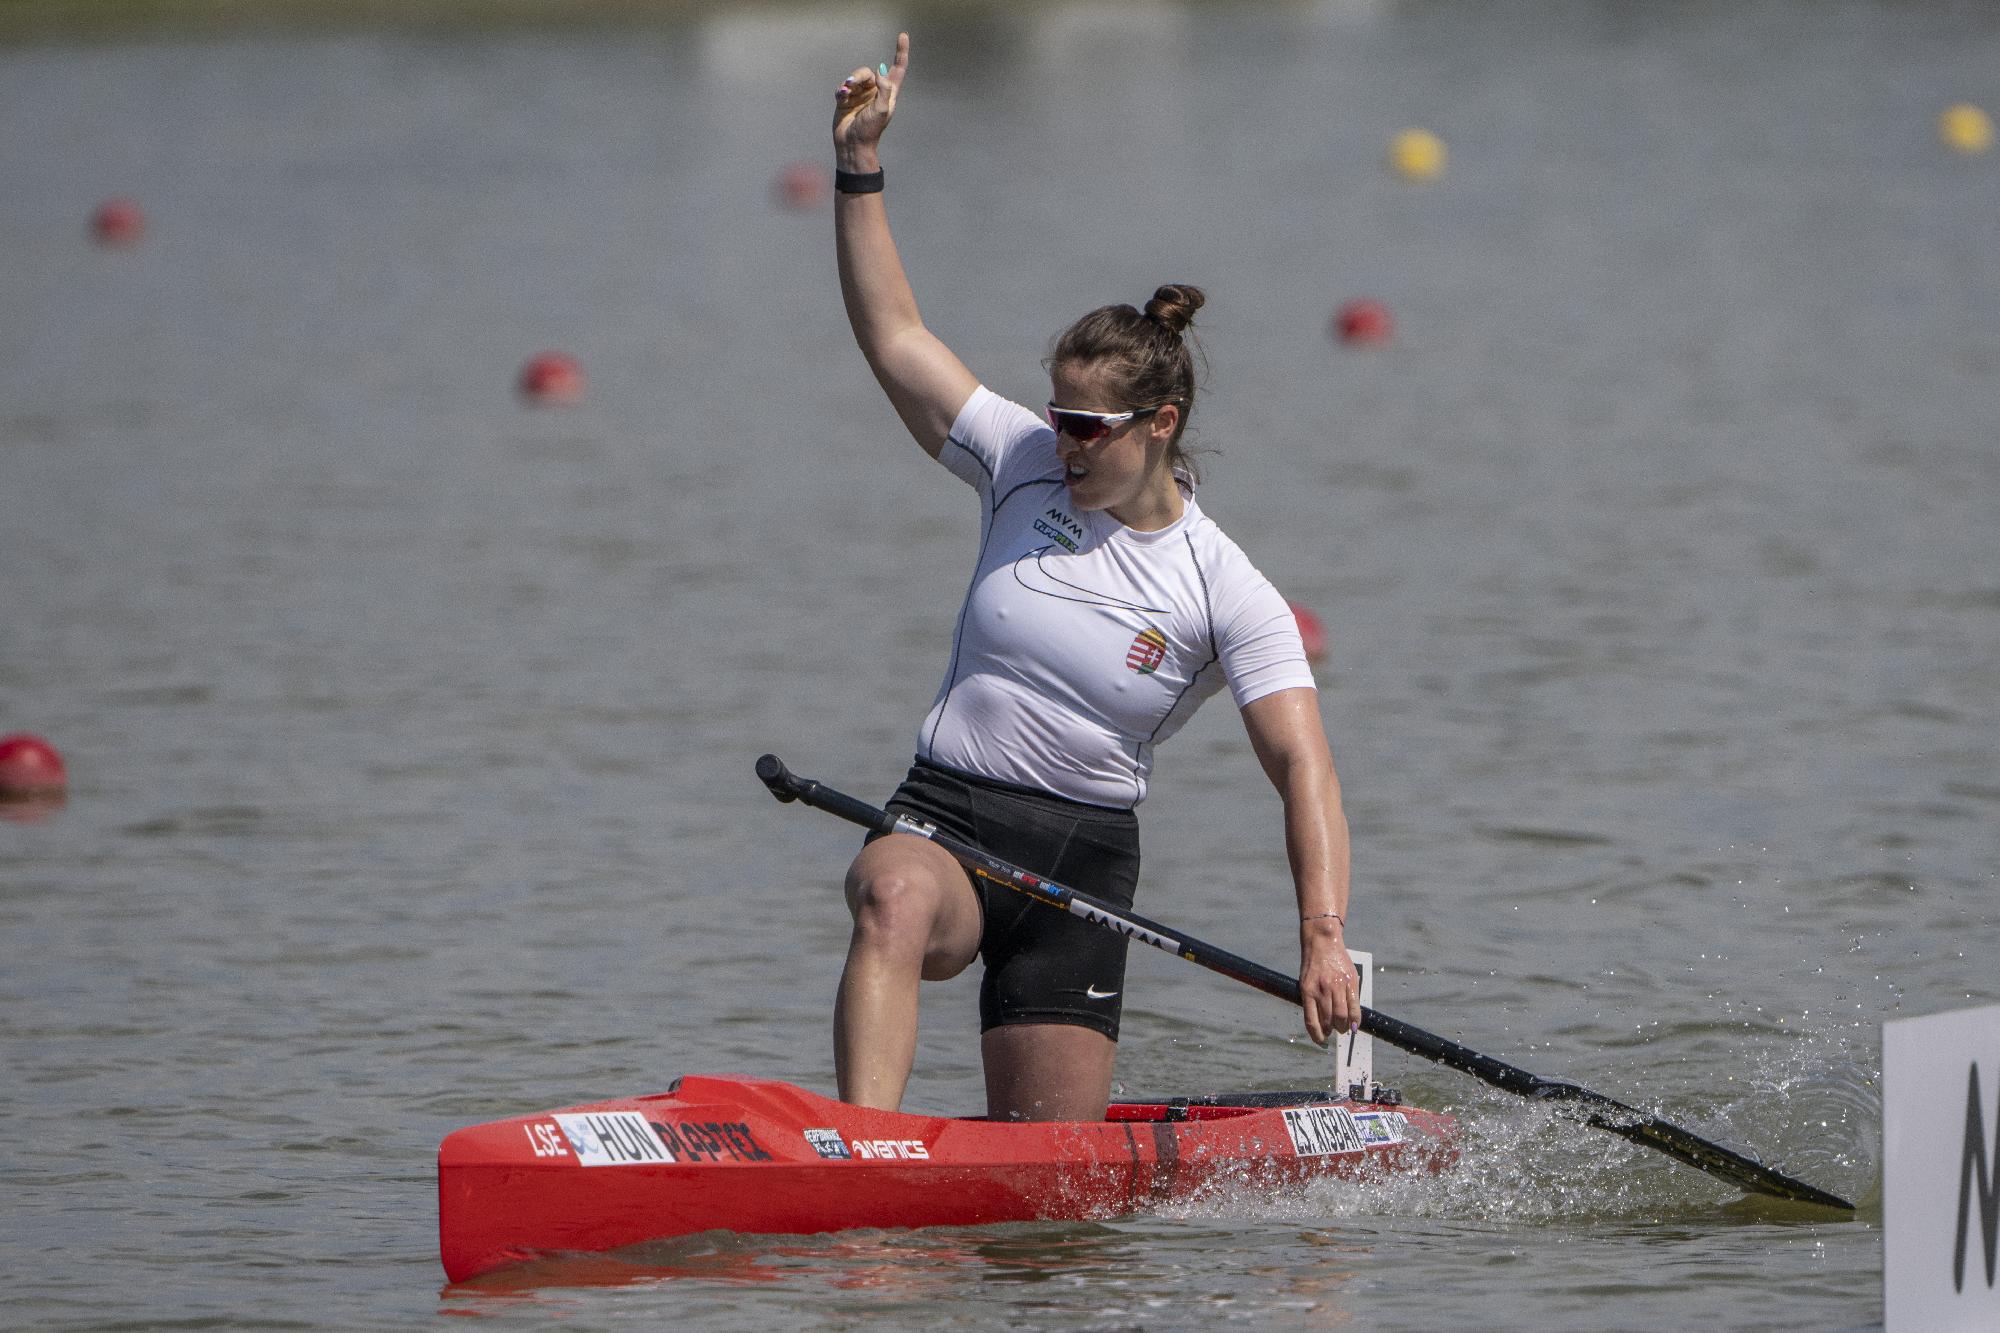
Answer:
(1166, 421)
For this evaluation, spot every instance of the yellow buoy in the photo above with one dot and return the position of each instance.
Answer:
(1966, 128)
(1417, 155)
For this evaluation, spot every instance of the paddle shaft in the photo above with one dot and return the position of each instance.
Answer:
(1603, 1112)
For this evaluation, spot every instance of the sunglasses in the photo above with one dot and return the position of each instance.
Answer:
(1084, 427)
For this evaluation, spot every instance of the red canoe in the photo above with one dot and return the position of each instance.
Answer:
(752, 1155)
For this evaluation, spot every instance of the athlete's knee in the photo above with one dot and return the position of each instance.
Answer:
(897, 903)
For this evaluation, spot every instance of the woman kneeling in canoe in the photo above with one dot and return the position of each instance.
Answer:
(1105, 607)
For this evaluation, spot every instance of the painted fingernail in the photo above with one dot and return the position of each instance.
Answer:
(884, 70)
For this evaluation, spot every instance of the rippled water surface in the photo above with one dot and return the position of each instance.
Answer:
(411, 728)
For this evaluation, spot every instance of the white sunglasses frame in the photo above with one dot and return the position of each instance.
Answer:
(1109, 421)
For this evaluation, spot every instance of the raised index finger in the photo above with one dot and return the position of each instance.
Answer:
(900, 66)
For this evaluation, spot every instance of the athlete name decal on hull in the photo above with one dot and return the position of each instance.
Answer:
(1321, 1131)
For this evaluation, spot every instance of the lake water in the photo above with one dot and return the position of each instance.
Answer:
(411, 728)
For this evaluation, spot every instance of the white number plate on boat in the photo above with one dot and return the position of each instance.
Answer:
(1320, 1131)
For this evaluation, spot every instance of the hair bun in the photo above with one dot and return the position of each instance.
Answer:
(1173, 306)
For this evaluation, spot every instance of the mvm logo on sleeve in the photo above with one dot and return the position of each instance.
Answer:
(1941, 1171)
(1148, 650)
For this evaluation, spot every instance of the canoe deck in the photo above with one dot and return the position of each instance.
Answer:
(759, 1156)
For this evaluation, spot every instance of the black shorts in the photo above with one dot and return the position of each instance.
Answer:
(1043, 965)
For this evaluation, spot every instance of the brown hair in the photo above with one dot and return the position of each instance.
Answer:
(1148, 358)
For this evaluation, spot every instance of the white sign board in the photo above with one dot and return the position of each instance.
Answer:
(1354, 1052)
(1941, 1171)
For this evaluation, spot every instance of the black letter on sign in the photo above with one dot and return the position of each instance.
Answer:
(1975, 1160)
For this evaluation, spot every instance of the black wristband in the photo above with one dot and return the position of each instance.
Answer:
(857, 182)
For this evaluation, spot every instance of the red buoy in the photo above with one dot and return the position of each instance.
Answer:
(118, 222)
(1364, 321)
(801, 186)
(552, 379)
(29, 768)
(1311, 633)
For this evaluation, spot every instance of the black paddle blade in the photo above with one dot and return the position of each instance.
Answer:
(1704, 1155)
(1717, 1160)
(1601, 1112)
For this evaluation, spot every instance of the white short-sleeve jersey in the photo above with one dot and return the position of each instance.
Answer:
(1082, 644)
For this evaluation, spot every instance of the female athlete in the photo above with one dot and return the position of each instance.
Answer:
(1104, 608)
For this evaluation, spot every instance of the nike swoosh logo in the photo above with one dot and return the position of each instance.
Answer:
(1092, 993)
(1033, 571)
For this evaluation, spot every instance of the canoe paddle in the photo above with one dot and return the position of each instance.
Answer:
(1592, 1108)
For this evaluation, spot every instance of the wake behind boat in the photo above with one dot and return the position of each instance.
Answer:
(759, 1156)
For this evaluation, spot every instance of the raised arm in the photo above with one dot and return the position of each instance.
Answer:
(926, 383)
(1290, 742)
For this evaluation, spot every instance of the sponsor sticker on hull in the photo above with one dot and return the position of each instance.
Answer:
(828, 1144)
(1379, 1127)
(890, 1149)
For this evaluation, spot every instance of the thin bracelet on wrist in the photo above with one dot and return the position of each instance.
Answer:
(1321, 916)
(857, 182)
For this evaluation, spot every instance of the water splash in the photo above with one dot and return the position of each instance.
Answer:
(1799, 1106)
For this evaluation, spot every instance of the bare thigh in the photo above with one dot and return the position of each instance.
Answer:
(910, 892)
(1047, 1071)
